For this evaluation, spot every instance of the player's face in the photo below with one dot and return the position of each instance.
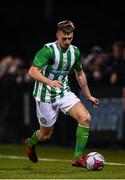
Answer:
(64, 40)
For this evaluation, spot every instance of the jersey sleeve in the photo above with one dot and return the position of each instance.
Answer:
(78, 62)
(42, 57)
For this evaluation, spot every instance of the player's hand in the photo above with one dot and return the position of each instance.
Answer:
(94, 101)
(55, 83)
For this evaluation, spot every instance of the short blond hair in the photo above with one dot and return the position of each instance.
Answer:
(66, 26)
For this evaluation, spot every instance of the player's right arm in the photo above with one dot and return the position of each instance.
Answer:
(41, 59)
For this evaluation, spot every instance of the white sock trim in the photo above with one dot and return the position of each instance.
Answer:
(38, 134)
(83, 126)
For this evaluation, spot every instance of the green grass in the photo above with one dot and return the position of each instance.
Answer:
(24, 169)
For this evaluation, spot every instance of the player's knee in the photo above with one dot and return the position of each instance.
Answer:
(45, 136)
(85, 119)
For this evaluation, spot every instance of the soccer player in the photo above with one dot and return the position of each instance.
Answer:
(50, 69)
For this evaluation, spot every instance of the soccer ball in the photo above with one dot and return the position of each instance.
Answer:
(95, 161)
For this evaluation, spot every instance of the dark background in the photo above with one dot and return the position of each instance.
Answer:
(25, 26)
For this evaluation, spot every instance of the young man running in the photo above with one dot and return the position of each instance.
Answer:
(50, 69)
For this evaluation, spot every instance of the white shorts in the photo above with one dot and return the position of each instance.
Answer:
(47, 112)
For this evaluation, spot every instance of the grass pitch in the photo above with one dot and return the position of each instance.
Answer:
(55, 163)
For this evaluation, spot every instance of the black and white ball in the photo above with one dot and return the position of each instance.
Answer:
(95, 161)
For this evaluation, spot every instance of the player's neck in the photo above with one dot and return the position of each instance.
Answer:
(62, 49)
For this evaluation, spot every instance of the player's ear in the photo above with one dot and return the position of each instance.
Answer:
(57, 35)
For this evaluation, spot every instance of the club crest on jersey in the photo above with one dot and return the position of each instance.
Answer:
(43, 120)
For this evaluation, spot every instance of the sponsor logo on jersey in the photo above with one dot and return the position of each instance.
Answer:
(56, 72)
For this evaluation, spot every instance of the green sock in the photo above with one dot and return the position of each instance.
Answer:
(82, 134)
(34, 139)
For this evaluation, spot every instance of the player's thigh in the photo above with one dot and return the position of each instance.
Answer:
(79, 112)
(68, 101)
(46, 114)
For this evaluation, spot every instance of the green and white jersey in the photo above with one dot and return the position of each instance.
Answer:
(55, 65)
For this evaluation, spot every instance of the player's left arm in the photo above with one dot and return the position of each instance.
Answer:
(82, 80)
